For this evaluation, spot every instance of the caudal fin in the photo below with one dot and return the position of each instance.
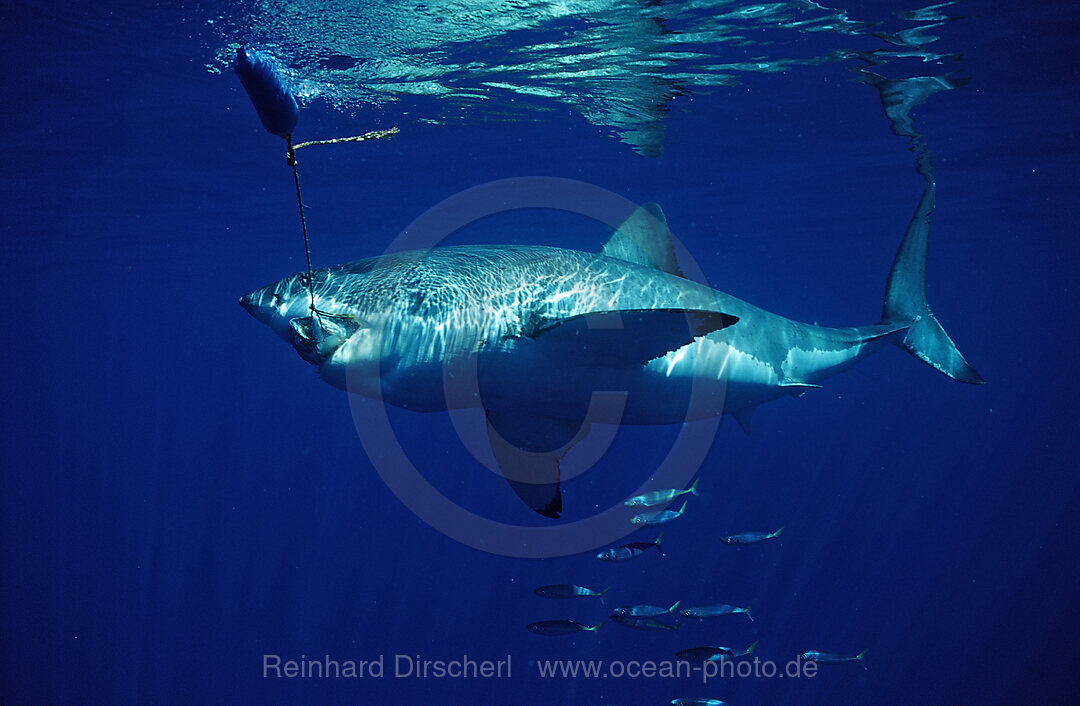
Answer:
(693, 488)
(905, 301)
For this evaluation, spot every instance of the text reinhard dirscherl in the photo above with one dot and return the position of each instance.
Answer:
(399, 667)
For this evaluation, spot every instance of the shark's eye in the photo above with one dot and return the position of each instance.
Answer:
(303, 280)
(275, 300)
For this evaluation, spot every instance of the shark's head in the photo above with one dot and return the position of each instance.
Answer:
(286, 307)
(278, 304)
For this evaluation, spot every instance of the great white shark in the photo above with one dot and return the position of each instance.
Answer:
(540, 328)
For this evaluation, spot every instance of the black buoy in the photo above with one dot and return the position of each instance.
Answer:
(273, 100)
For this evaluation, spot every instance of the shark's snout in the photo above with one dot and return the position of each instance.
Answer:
(269, 306)
(248, 301)
(261, 304)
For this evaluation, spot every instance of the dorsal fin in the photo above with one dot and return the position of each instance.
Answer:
(644, 239)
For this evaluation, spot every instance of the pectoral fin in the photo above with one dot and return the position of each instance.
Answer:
(528, 450)
(629, 336)
(742, 416)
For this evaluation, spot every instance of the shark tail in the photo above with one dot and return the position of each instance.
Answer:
(747, 611)
(906, 303)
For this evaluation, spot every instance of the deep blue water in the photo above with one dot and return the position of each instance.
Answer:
(181, 494)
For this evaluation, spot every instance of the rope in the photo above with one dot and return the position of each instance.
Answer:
(373, 135)
(291, 161)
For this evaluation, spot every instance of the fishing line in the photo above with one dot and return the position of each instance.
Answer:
(279, 112)
(291, 161)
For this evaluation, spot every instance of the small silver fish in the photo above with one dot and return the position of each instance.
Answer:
(630, 551)
(698, 702)
(642, 623)
(560, 627)
(713, 654)
(660, 497)
(716, 610)
(832, 658)
(659, 517)
(704, 654)
(567, 590)
(645, 611)
(750, 537)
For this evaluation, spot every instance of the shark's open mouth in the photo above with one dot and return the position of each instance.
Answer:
(317, 337)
